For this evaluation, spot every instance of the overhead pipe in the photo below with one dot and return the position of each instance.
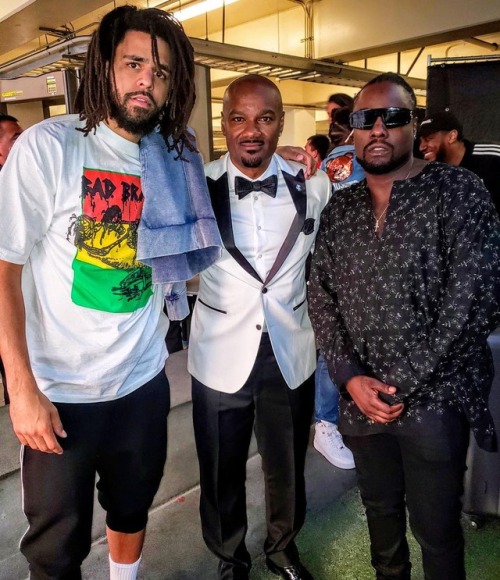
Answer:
(214, 54)
(493, 46)
(22, 65)
(308, 6)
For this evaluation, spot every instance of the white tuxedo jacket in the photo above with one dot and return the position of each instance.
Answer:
(233, 301)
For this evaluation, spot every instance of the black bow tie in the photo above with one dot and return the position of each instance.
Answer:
(243, 186)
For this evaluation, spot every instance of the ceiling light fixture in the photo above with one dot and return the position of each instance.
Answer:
(200, 8)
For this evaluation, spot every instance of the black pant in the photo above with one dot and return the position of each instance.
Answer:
(421, 472)
(124, 441)
(223, 427)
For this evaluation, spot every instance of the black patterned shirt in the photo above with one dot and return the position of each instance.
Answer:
(413, 307)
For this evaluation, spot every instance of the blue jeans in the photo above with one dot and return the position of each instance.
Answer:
(326, 401)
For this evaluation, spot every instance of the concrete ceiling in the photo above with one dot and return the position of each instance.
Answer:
(357, 32)
(21, 32)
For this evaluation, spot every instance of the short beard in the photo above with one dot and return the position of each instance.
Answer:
(142, 123)
(251, 162)
(441, 155)
(377, 169)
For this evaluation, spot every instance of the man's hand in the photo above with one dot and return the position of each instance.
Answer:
(365, 393)
(36, 421)
(301, 156)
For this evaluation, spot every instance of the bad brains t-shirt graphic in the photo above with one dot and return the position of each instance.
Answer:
(107, 275)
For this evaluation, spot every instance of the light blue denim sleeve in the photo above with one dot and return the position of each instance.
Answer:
(176, 300)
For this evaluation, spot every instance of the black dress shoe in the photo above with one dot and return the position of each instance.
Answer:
(292, 572)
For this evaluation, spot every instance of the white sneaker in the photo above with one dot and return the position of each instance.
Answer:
(328, 441)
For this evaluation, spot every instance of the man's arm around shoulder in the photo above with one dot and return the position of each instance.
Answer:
(34, 418)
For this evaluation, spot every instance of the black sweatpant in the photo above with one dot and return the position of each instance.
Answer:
(124, 442)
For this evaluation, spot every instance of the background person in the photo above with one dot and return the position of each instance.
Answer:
(343, 169)
(441, 139)
(317, 146)
(9, 132)
(337, 101)
(341, 164)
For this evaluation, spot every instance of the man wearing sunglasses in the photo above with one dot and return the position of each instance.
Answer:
(404, 290)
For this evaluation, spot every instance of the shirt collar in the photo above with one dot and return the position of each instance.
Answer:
(233, 172)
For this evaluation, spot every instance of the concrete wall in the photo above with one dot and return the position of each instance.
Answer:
(299, 125)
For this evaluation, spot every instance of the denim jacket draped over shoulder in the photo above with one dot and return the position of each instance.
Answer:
(177, 234)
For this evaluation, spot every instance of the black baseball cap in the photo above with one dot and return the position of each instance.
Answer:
(440, 121)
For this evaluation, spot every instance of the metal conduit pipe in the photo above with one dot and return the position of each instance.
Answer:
(44, 57)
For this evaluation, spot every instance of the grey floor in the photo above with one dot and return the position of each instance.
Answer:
(174, 548)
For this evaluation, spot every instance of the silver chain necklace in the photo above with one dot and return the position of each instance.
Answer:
(377, 219)
(380, 217)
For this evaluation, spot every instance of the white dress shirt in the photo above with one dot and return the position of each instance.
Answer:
(260, 222)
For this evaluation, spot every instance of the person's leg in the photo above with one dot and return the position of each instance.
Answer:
(223, 427)
(174, 336)
(131, 462)
(125, 553)
(326, 394)
(327, 439)
(283, 419)
(125, 548)
(58, 496)
(434, 467)
(4, 382)
(381, 482)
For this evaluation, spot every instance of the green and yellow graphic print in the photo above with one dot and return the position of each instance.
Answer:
(107, 275)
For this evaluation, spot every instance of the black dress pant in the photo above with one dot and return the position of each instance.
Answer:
(223, 427)
(422, 471)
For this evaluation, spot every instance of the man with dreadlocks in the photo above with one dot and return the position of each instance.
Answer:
(82, 334)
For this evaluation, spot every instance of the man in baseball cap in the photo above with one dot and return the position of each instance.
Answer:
(441, 139)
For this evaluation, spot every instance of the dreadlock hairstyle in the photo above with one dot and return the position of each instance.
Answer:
(94, 100)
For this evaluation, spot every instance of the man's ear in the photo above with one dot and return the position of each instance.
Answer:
(223, 125)
(452, 136)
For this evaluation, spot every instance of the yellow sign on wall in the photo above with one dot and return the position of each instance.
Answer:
(51, 85)
(11, 95)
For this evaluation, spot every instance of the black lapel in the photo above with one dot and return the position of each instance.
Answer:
(297, 187)
(219, 195)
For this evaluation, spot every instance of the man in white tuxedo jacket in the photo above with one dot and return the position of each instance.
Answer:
(252, 352)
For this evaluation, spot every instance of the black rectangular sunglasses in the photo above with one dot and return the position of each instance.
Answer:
(391, 116)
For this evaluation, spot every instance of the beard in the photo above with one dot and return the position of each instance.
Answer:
(137, 121)
(251, 162)
(384, 168)
(441, 155)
